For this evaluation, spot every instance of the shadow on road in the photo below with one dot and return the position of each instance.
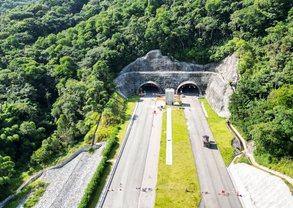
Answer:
(185, 105)
(213, 145)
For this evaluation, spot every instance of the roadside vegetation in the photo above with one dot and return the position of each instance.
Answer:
(221, 133)
(58, 59)
(31, 193)
(283, 165)
(242, 159)
(131, 103)
(177, 184)
(97, 183)
(114, 114)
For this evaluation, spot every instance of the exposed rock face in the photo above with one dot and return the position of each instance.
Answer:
(155, 61)
(220, 85)
(214, 80)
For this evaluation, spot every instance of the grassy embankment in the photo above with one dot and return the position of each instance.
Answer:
(177, 184)
(34, 190)
(282, 165)
(131, 102)
(221, 133)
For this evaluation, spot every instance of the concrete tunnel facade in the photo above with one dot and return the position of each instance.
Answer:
(178, 90)
(131, 83)
(215, 80)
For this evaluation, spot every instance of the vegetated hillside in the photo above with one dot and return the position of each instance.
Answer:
(58, 60)
(10, 4)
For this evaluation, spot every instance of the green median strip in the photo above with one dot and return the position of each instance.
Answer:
(221, 133)
(177, 184)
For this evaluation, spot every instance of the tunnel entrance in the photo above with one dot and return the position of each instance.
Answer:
(149, 88)
(188, 88)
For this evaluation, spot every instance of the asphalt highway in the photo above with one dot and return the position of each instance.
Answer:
(215, 183)
(125, 188)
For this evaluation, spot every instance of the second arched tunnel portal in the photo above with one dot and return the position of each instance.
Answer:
(133, 83)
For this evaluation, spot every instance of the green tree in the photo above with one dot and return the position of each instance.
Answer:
(212, 6)
(6, 170)
(66, 69)
(51, 148)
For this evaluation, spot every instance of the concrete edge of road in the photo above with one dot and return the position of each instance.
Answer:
(112, 173)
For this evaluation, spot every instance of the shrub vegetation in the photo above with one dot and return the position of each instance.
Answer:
(58, 59)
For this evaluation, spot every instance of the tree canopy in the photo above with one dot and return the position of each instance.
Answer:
(58, 59)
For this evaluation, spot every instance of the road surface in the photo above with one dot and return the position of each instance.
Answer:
(215, 183)
(126, 186)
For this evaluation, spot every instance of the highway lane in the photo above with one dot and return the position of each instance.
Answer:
(125, 189)
(215, 183)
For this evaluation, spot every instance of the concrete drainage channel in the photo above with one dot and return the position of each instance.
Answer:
(112, 173)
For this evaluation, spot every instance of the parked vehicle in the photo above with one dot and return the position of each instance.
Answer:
(206, 141)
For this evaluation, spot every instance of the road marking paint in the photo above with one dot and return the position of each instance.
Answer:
(169, 137)
(204, 110)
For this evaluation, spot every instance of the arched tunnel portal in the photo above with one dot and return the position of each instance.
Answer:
(188, 88)
(150, 87)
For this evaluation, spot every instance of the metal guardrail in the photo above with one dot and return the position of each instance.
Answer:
(112, 173)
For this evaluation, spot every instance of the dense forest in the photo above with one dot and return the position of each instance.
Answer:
(58, 59)
(10, 4)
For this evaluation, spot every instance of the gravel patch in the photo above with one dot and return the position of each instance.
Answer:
(67, 184)
(260, 189)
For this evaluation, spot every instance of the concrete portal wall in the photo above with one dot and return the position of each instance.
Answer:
(129, 83)
(216, 81)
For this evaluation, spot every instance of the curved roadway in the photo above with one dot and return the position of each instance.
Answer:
(215, 182)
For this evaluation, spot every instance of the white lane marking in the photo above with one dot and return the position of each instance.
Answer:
(204, 110)
(169, 137)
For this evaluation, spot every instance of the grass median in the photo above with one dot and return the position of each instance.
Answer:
(220, 132)
(177, 184)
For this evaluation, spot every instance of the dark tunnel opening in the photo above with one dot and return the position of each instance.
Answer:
(188, 89)
(149, 88)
